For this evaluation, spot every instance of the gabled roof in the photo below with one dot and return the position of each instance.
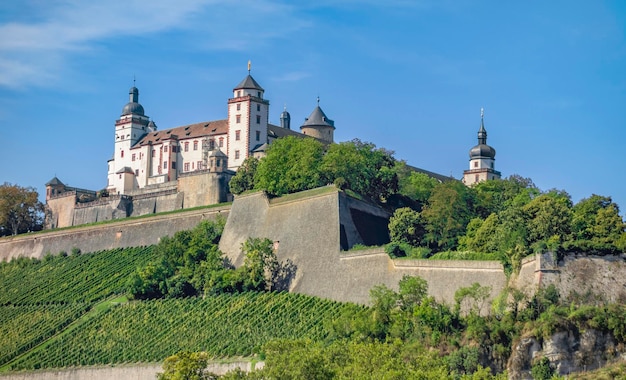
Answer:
(55, 182)
(260, 148)
(197, 130)
(249, 83)
(275, 132)
(318, 119)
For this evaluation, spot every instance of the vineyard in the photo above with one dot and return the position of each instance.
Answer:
(224, 325)
(76, 278)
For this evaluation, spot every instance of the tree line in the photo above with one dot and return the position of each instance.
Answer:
(500, 219)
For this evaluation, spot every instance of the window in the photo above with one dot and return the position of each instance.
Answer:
(164, 164)
(492, 165)
(153, 152)
(186, 166)
(137, 172)
(192, 165)
(133, 157)
(199, 166)
(211, 144)
(186, 146)
(195, 145)
(236, 155)
(165, 149)
(239, 93)
(475, 164)
(258, 119)
(173, 164)
(476, 178)
(258, 107)
(258, 93)
(122, 154)
(238, 106)
(258, 135)
(238, 119)
(221, 142)
(217, 162)
(237, 137)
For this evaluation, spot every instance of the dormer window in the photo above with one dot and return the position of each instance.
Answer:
(238, 93)
(258, 94)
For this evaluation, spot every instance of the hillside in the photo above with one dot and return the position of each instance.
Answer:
(62, 316)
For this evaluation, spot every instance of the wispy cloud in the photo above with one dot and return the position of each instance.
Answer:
(35, 52)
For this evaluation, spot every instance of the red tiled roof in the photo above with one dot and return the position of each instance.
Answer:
(206, 128)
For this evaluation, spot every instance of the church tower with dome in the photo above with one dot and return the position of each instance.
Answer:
(482, 158)
(132, 125)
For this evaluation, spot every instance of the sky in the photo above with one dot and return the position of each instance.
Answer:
(408, 75)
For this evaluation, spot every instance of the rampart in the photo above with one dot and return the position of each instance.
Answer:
(311, 232)
(115, 234)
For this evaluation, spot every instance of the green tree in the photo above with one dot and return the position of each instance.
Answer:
(150, 281)
(415, 185)
(244, 178)
(260, 264)
(186, 366)
(597, 219)
(361, 167)
(20, 210)
(497, 195)
(413, 290)
(447, 213)
(549, 216)
(292, 164)
(405, 226)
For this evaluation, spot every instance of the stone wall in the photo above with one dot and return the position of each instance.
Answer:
(307, 231)
(118, 234)
(60, 210)
(204, 188)
(121, 372)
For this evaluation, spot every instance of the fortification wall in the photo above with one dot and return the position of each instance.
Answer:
(61, 210)
(307, 232)
(119, 234)
(122, 372)
(204, 188)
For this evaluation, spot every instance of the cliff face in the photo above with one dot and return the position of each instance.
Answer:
(568, 351)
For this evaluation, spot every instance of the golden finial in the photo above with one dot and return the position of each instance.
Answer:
(249, 65)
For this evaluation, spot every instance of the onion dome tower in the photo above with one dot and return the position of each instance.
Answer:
(482, 158)
(133, 107)
(318, 125)
(285, 119)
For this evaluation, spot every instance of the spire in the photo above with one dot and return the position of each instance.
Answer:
(482, 132)
(249, 66)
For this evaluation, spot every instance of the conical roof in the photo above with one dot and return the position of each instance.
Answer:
(54, 182)
(318, 118)
(248, 83)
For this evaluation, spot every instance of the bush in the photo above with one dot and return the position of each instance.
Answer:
(541, 369)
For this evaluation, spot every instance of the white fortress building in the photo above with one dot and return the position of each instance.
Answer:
(144, 156)
(188, 166)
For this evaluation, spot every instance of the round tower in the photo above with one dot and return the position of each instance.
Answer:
(318, 125)
(285, 119)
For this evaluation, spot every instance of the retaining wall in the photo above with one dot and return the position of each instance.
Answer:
(307, 231)
(118, 234)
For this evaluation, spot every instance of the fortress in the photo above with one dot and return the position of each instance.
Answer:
(153, 170)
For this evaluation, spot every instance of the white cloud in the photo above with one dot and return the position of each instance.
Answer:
(35, 52)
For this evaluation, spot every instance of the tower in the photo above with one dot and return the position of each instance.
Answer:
(285, 119)
(482, 158)
(248, 115)
(318, 125)
(129, 129)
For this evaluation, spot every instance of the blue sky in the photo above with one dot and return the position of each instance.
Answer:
(409, 76)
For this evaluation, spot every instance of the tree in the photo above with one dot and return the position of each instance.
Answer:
(549, 217)
(361, 167)
(413, 290)
(244, 178)
(597, 219)
(186, 366)
(260, 264)
(447, 214)
(415, 185)
(292, 164)
(405, 226)
(20, 210)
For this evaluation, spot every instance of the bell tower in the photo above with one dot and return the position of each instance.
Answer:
(248, 115)
(482, 158)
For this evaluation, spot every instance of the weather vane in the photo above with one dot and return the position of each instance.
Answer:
(249, 65)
